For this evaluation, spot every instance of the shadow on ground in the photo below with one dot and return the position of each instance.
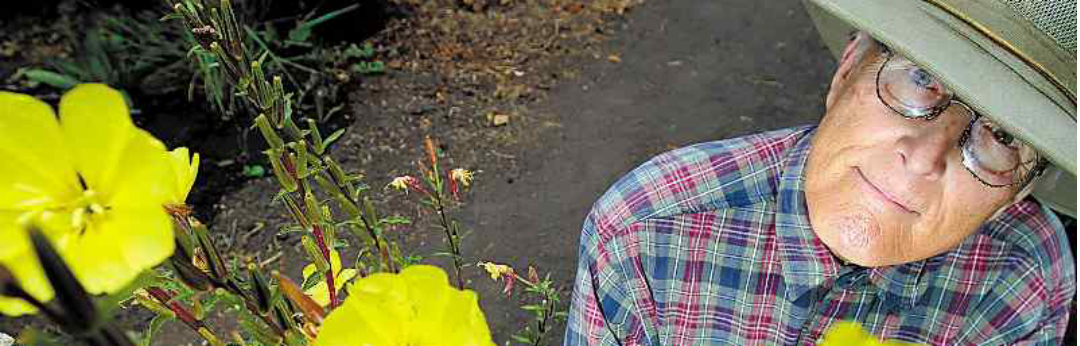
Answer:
(690, 71)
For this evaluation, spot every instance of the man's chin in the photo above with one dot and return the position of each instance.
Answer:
(857, 240)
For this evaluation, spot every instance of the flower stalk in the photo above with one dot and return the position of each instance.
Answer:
(299, 154)
(165, 298)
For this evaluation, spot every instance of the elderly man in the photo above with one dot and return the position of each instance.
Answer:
(919, 207)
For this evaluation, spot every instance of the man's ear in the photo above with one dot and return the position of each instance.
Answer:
(853, 54)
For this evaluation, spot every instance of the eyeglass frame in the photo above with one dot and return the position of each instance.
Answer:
(1040, 162)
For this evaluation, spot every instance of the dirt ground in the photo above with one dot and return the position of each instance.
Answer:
(624, 84)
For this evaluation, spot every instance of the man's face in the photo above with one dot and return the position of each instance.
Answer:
(883, 189)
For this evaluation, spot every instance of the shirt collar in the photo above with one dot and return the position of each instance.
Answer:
(806, 263)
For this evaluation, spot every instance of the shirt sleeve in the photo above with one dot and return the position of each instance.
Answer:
(602, 312)
(1052, 328)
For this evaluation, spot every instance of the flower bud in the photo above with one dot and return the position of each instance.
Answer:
(261, 88)
(269, 133)
(311, 310)
(263, 297)
(79, 314)
(336, 171)
(279, 99)
(189, 274)
(533, 276)
(315, 254)
(328, 186)
(8, 283)
(291, 129)
(287, 181)
(144, 299)
(316, 137)
(312, 208)
(297, 214)
(300, 147)
(206, 243)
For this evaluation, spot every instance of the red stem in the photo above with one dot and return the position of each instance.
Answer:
(165, 298)
(317, 230)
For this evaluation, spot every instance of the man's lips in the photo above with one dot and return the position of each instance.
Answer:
(884, 195)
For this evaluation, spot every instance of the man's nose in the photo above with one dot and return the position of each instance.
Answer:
(925, 151)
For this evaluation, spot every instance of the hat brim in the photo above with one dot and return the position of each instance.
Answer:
(975, 70)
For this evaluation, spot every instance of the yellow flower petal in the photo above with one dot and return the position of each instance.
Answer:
(186, 169)
(416, 307)
(318, 292)
(309, 270)
(36, 169)
(343, 277)
(145, 177)
(24, 266)
(116, 248)
(95, 121)
(847, 333)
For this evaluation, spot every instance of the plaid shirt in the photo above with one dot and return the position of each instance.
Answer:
(711, 244)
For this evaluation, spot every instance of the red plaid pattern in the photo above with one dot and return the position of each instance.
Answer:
(711, 244)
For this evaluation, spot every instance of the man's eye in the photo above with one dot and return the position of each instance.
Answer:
(1000, 135)
(923, 80)
(1003, 137)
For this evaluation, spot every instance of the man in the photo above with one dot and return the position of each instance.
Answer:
(919, 207)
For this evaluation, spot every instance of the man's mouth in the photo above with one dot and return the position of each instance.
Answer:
(875, 190)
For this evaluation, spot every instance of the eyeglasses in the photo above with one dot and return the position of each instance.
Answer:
(992, 155)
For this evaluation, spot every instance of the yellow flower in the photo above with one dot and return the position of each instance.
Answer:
(91, 180)
(416, 307)
(319, 293)
(496, 270)
(846, 333)
(186, 168)
(400, 183)
(463, 175)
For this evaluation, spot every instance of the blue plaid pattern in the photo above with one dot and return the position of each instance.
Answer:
(711, 244)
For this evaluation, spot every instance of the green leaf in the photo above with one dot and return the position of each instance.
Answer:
(53, 79)
(254, 171)
(155, 325)
(521, 339)
(396, 220)
(532, 307)
(333, 137)
(109, 303)
(312, 23)
(376, 67)
(300, 34)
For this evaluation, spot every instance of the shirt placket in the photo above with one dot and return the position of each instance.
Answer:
(826, 300)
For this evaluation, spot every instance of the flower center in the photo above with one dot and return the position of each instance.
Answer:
(86, 207)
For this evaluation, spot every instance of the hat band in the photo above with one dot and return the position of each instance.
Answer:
(1007, 46)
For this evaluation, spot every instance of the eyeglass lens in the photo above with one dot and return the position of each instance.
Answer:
(993, 156)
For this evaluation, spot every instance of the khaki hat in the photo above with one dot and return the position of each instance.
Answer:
(1011, 60)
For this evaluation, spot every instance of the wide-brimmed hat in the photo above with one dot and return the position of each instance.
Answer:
(1011, 60)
